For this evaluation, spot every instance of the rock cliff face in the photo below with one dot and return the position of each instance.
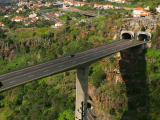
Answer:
(7, 50)
(118, 90)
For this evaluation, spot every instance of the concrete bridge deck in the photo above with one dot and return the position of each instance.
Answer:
(23, 76)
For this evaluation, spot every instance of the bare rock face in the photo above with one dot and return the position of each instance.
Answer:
(156, 46)
(7, 50)
(121, 70)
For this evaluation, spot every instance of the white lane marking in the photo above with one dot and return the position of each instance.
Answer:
(90, 114)
(11, 81)
(73, 61)
(46, 70)
(61, 66)
(84, 58)
(1, 77)
(19, 73)
(95, 54)
(30, 75)
(87, 118)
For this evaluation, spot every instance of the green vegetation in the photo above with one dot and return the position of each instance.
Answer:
(54, 97)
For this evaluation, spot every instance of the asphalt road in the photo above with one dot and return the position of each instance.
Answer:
(48, 16)
(90, 115)
(25, 75)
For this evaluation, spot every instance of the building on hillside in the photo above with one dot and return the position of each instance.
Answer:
(20, 9)
(34, 20)
(38, 17)
(108, 6)
(40, 5)
(37, 9)
(77, 3)
(17, 19)
(6, 16)
(27, 18)
(139, 12)
(98, 6)
(146, 8)
(2, 10)
(1, 25)
(158, 9)
(48, 4)
(39, 2)
(58, 24)
(58, 14)
(54, 16)
(83, 20)
(117, 1)
(27, 23)
(17, 11)
(32, 15)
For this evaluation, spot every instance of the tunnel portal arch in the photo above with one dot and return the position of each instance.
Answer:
(143, 35)
(127, 34)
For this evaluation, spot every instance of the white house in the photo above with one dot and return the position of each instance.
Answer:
(158, 9)
(108, 6)
(98, 6)
(58, 14)
(6, 16)
(1, 25)
(58, 24)
(17, 19)
(77, 3)
(146, 8)
(48, 4)
(32, 15)
(83, 20)
(139, 12)
(117, 1)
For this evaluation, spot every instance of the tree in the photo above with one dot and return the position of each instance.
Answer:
(26, 48)
(153, 9)
(25, 7)
(98, 76)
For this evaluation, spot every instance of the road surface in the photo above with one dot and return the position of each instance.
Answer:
(19, 77)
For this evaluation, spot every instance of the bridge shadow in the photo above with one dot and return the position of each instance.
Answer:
(133, 70)
(2, 97)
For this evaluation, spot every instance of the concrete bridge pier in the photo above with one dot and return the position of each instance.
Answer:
(81, 92)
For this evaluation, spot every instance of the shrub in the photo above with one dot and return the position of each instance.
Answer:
(26, 48)
(98, 76)
(120, 110)
(112, 111)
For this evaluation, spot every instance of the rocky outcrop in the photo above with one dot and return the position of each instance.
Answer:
(7, 50)
(122, 69)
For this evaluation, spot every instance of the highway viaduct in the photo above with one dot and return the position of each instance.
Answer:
(80, 61)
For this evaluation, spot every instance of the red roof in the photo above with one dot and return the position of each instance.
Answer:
(141, 9)
(2, 9)
(52, 15)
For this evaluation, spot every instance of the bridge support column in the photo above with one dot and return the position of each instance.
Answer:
(81, 92)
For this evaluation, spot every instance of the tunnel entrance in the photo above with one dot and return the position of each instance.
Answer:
(126, 36)
(89, 105)
(141, 37)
